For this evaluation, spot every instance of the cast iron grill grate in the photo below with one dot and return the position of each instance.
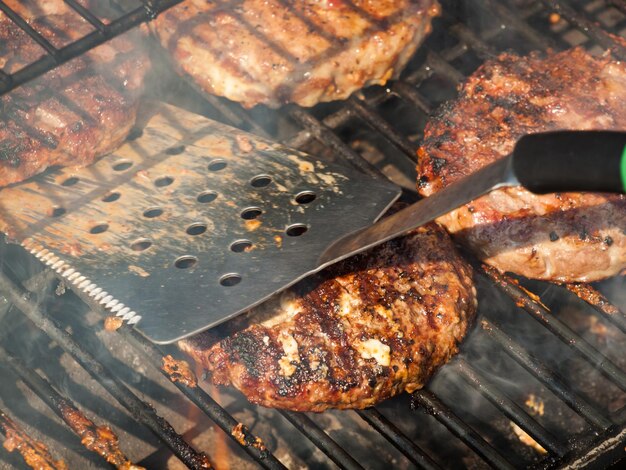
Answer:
(564, 358)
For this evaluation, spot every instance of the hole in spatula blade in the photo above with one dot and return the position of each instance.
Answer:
(186, 262)
(141, 245)
(251, 213)
(260, 181)
(206, 197)
(196, 229)
(296, 230)
(100, 228)
(230, 280)
(153, 212)
(305, 197)
(111, 197)
(241, 246)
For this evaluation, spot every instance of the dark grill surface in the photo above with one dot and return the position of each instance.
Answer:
(539, 359)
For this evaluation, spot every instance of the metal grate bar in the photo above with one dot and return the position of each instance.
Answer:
(142, 411)
(441, 65)
(467, 36)
(311, 430)
(556, 326)
(410, 93)
(333, 121)
(86, 14)
(329, 138)
(514, 412)
(590, 28)
(76, 48)
(435, 407)
(600, 303)
(381, 125)
(386, 428)
(253, 445)
(236, 115)
(516, 20)
(34, 453)
(66, 410)
(28, 29)
(550, 379)
(4, 77)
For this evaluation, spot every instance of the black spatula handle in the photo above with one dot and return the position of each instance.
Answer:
(571, 161)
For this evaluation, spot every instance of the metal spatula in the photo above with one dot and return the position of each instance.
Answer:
(190, 222)
(542, 163)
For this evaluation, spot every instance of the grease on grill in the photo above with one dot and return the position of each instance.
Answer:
(593, 297)
(99, 439)
(35, 453)
(179, 371)
(113, 323)
(242, 434)
(535, 404)
(526, 439)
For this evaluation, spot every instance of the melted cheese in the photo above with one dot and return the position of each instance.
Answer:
(373, 348)
(348, 304)
(290, 348)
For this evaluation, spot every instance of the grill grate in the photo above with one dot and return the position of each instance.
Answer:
(587, 430)
(142, 11)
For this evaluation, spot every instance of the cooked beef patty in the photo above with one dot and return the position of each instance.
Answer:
(359, 332)
(562, 237)
(301, 51)
(74, 113)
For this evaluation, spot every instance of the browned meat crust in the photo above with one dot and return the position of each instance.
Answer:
(563, 237)
(274, 52)
(76, 112)
(362, 331)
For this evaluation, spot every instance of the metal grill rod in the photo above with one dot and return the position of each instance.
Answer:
(435, 407)
(33, 452)
(201, 399)
(86, 14)
(143, 412)
(550, 379)
(556, 326)
(516, 20)
(509, 408)
(59, 404)
(57, 57)
(600, 303)
(327, 445)
(591, 29)
(385, 427)
(28, 29)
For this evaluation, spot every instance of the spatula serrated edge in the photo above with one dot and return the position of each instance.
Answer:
(81, 282)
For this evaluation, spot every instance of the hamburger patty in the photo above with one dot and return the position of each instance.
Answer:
(562, 237)
(74, 113)
(361, 331)
(301, 51)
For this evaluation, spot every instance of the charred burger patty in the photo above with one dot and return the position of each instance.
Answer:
(362, 331)
(563, 237)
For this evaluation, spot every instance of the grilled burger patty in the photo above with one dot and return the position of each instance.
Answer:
(563, 237)
(302, 51)
(362, 331)
(74, 113)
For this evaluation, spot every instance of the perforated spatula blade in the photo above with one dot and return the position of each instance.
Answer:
(191, 223)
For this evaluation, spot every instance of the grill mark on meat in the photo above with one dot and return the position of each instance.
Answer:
(358, 332)
(60, 117)
(273, 69)
(557, 236)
